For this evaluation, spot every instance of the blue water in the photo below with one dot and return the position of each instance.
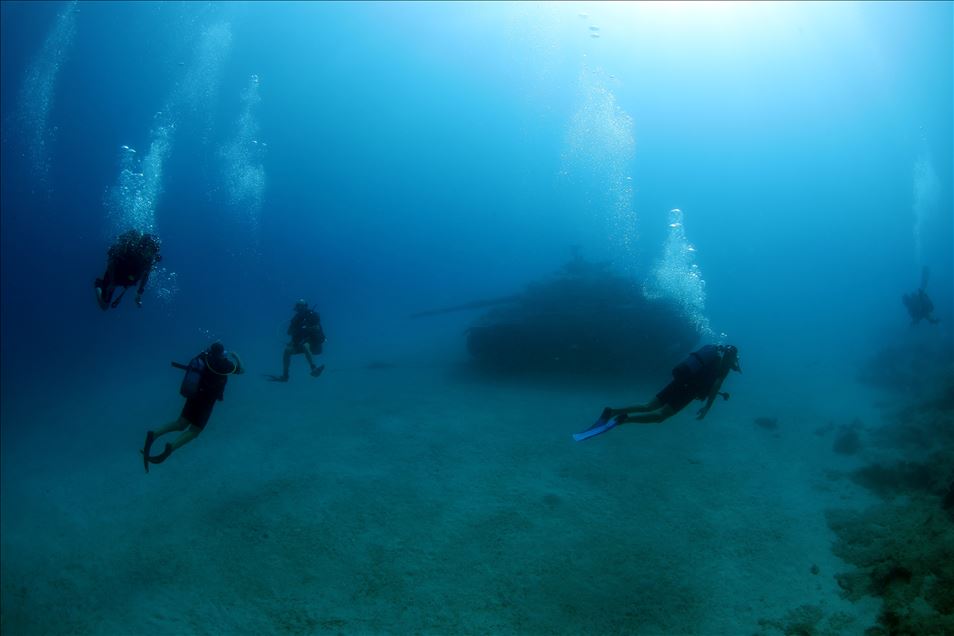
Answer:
(780, 172)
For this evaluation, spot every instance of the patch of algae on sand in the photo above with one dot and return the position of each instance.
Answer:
(807, 620)
(905, 555)
(902, 550)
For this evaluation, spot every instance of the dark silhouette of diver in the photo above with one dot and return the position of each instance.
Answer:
(307, 337)
(919, 304)
(698, 377)
(129, 260)
(203, 385)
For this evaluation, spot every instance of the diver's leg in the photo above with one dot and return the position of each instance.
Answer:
(178, 425)
(107, 284)
(104, 293)
(638, 408)
(306, 349)
(187, 436)
(286, 361)
(115, 303)
(315, 370)
(650, 418)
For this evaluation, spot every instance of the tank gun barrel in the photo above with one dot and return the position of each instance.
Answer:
(475, 304)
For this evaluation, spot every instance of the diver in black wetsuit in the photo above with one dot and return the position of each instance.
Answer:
(699, 377)
(307, 337)
(203, 386)
(919, 304)
(129, 260)
(920, 307)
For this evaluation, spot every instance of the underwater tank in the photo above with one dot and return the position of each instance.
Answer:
(586, 319)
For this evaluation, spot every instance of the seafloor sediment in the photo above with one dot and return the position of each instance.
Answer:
(410, 500)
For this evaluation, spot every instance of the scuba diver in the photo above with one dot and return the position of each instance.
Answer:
(203, 386)
(307, 336)
(130, 259)
(919, 304)
(698, 377)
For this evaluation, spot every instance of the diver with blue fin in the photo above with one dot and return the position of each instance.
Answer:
(698, 377)
(202, 386)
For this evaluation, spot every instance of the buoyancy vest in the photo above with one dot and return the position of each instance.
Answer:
(306, 327)
(201, 378)
(699, 366)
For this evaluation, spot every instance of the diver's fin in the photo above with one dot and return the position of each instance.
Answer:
(276, 378)
(601, 425)
(99, 298)
(161, 457)
(317, 371)
(150, 437)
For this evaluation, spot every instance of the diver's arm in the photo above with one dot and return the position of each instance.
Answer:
(142, 288)
(713, 392)
(239, 367)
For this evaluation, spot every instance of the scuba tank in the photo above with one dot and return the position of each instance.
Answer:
(194, 372)
(311, 328)
(320, 337)
(696, 363)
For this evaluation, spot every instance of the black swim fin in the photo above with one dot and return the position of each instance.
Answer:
(317, 371)
(161, 457)
(150, 437)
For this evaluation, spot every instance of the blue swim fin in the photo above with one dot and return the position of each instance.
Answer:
(601, 425)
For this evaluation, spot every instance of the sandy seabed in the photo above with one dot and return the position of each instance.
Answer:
(420, 500)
